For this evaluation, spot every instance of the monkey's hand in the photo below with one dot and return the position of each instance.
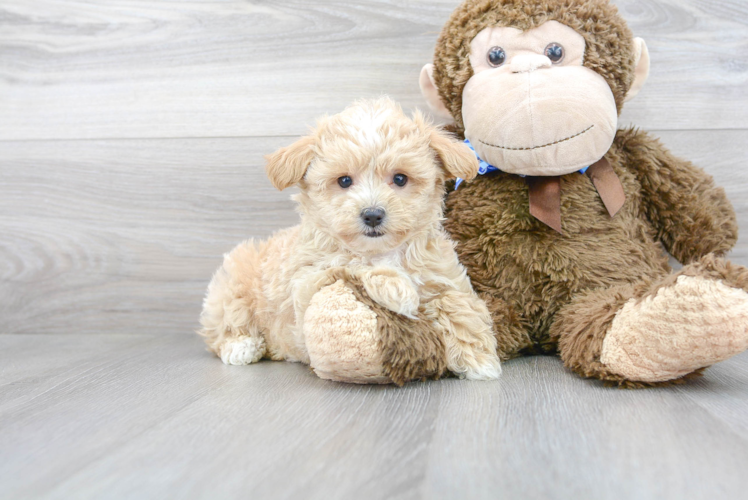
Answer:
(692, 216)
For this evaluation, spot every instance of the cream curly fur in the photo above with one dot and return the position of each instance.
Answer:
(256, 302)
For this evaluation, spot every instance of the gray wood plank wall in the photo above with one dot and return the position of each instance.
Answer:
(132, 132)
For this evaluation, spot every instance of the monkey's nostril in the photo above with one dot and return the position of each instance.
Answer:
(372, 216)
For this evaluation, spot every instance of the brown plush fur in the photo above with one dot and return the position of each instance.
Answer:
(669, 184)
(713, 267)
(550, 292)
(605, 33)
(541, 286)
(411, 348)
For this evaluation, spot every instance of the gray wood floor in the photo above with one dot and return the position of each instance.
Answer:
(155, 416)
(131, 142)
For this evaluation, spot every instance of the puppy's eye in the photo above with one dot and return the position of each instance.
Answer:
(400, 179)
(496, 56)
(345, 181)
(555, 53)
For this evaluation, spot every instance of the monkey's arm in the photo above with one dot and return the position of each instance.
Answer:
(692, 216)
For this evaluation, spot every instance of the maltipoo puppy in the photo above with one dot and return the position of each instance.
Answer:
(371, 186)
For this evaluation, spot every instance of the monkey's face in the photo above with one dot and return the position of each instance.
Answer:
(530, 107)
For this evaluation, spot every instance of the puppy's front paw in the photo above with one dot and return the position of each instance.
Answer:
(468, 335)
(392, 290)
(242, 350)
(488, 368)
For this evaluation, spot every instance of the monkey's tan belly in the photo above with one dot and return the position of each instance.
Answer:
(532, 267)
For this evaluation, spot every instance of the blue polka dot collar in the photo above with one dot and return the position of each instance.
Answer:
(484, 167)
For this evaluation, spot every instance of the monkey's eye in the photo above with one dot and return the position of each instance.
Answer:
(496, 56)
(400, 179)
(555, 53)
(345, 181)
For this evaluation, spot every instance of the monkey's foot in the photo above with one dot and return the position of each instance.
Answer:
(352, 338)
(342, 337)
(691, 323)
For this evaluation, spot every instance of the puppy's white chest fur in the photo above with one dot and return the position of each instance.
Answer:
(394, 259)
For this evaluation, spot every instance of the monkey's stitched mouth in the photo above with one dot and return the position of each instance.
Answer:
(543, 146)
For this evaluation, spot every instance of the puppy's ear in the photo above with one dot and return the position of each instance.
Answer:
(455, 156)
(288, 165)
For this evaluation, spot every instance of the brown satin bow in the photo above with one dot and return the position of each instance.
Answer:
(545, 193)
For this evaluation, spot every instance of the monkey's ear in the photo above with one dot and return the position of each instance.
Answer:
(288, 165)
(641, 72)
(431, 93)
(456, 157)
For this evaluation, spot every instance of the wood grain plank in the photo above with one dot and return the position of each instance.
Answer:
(682, 35)
(137, 69)
(718, 395)
(122, 236)
(70, 419)
(596, 443)
(166, 419)
(33, 370)
(97, 235)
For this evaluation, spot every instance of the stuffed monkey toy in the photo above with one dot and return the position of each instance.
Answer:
(563, 233)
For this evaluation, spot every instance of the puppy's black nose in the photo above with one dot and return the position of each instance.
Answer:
(372, 216)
